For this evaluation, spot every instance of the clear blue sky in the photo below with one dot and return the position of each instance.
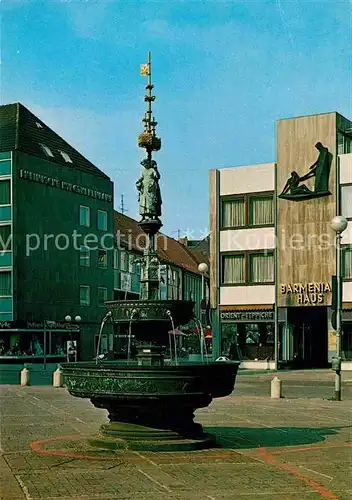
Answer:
(224, 73)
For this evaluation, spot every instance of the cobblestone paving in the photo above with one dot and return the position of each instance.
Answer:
(295, 448)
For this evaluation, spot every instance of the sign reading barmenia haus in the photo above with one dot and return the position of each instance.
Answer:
(307, 293)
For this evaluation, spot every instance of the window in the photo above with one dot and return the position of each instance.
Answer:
(5, 198)
(347, 262)
(123, 261)
(233, 213)
(84, 216)
(261, 210)
(5, 284)
(346, 201)
(5, 238)
(46, 150)
(84, 295)
(84, 256)
(131, 263)
(102, 220)
(116, 258)
(65, 156)
(233, 269)
(261, 268)
(344, 144)
(102, 258)
(102, 295)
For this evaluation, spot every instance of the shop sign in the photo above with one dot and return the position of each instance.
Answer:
(66, 186)
(54, 325)
(248, 315)
(307, 293)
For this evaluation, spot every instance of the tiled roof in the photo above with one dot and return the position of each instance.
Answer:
(21, 130)
(169, 250)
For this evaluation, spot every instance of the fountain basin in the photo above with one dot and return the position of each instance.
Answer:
(181, 311)
(151, 406)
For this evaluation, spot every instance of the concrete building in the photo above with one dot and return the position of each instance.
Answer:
(56, 229)
(273, 252)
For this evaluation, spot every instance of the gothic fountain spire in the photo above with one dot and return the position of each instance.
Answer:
(149, 195)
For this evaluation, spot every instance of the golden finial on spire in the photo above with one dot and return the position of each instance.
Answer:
(148, 139)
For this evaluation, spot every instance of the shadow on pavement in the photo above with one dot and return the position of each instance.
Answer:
(247, 437)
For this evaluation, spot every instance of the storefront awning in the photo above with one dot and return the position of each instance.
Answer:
(261, 307)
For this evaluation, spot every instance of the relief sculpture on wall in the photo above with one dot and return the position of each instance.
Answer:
(320, 170)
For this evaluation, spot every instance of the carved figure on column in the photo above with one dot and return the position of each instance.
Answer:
(149, 190)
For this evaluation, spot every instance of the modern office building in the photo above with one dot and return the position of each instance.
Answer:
(56, 229)
(273, 252)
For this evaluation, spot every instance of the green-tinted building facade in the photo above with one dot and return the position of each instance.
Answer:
(57, 240)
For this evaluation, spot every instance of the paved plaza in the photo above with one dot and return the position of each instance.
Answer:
(295, 448)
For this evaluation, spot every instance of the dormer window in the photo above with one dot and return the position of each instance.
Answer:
(46, 150)
(65, 156)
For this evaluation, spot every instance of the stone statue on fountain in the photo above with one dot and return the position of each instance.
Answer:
(149, 191)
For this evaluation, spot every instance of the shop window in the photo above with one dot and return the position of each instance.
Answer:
(5, 284)
(233, 213)
(84, 216)
(228, 339)
(233, 269)
(102, 220)
(346, 201)
(84, 256)
(102, 258)
(84, 295)
(261, 268)
(102, 295)
(347, 262)
(261, 211)
(5, 238)
(5, 197)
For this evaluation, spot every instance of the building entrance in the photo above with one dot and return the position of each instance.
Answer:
(310, 336)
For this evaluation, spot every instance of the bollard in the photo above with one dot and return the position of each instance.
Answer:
(25, 377)
(57, 378)
(276, 388)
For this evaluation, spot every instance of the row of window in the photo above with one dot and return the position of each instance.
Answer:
(247, 211)
(249, 267)
(258, 210)
(85, 218)
(85, 257)
(85, 295)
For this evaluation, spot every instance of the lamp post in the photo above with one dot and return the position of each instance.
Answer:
(338, 224)
(68, 318)
(203, 269)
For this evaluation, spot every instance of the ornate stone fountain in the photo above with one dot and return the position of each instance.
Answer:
(151, 400)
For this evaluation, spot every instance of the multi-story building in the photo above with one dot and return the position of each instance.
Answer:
(179, 275)
(273, 252)
(56, 229)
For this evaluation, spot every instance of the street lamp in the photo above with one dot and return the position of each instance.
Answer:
(68, 318)
(338, 224)
(203, 269)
